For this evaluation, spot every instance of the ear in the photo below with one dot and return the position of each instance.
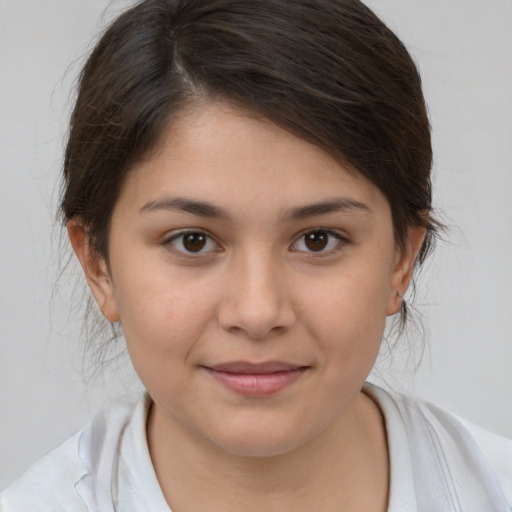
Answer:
(95, 269)
(403, 268)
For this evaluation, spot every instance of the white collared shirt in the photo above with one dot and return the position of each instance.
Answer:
(437, 464)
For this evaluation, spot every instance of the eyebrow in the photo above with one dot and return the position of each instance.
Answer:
(209, 210)
(199, 208)
(336, 204)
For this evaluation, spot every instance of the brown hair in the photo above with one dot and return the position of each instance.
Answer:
(328, 71)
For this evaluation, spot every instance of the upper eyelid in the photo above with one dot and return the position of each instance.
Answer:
(341, 239)
(180, 232)
(169, 238)
(331, 231)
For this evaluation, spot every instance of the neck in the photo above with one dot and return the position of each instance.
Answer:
(343, 468)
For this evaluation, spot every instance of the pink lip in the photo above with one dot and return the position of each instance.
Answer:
(252, 379)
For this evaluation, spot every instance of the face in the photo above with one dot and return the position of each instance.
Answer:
(252, 275)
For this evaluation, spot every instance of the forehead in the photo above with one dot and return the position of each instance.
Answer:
(243, 161)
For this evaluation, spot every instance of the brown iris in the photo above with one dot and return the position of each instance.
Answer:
(316, 241)
(194, 242)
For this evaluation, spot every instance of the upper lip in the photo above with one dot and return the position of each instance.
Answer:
(255, 368)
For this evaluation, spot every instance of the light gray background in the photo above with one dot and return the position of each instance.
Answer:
(464, 51)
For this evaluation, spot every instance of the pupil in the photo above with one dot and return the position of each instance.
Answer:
(194, 242)
(317, 241)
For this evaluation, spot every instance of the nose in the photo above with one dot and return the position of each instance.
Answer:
(257, 302)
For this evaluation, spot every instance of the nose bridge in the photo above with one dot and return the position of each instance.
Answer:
(261, 280)
(257, 301)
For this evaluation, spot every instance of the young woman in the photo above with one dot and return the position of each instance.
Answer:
(247, 188)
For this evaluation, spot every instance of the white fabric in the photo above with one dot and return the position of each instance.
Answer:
(455, 468)
(436, 463)
(135, 486)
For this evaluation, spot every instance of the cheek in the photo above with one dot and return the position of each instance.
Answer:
(351, 302)
(162, 316)
(347, 315)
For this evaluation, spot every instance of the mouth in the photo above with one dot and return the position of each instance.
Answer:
(256, 379)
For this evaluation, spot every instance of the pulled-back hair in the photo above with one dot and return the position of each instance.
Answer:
(329, 71)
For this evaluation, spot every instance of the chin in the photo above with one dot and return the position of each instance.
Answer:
(257, 448)
(259, 441)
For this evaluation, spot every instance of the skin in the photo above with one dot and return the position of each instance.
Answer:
(255, 293)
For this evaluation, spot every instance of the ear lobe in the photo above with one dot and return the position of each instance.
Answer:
(403, 269)
(95, 270)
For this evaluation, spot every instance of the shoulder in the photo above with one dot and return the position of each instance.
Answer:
(451, 429)
(49, 483)
(73, 475)
(497, 451)
(467, 460)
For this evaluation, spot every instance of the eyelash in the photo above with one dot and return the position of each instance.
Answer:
(331, 234)
(170, 243)
(209, 240)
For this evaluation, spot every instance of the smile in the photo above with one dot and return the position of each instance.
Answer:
(256, 380)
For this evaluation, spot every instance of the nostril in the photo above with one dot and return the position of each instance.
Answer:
(257, 300)
(274, 331)
(255, 332)
(256, 323)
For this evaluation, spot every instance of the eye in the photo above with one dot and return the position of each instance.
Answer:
(318, 241)
(192, 242)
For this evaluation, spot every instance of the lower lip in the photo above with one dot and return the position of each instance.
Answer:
(257, 384)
